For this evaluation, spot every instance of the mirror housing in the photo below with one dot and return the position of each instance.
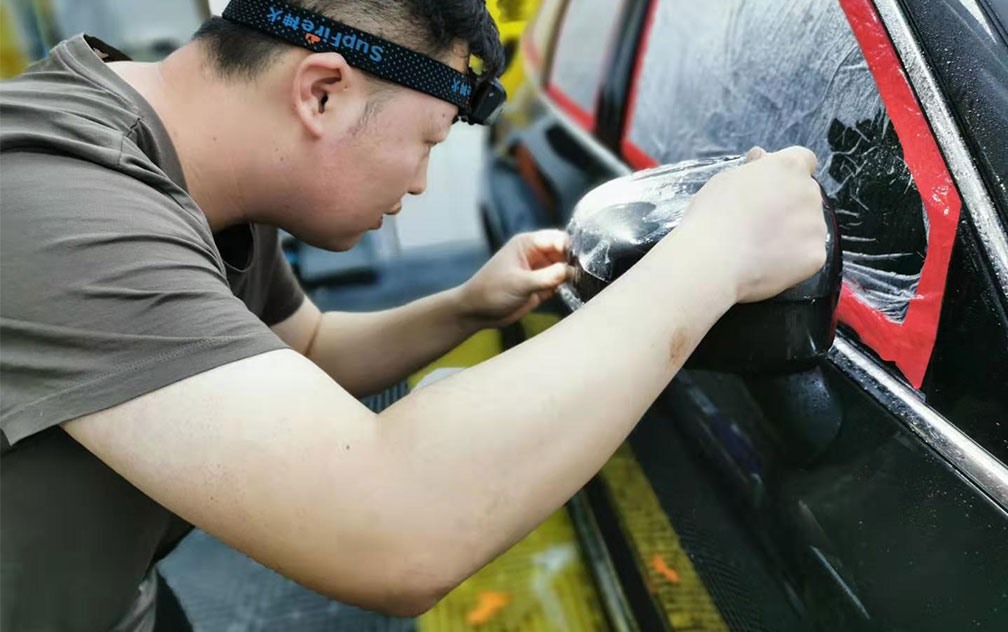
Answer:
(617, 223)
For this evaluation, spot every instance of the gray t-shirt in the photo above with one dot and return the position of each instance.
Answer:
(111, 286)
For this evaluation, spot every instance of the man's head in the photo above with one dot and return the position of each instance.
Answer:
(347, 146)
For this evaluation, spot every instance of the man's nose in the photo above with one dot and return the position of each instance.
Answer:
(420, 182)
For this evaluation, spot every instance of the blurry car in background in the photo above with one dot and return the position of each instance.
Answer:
(511, 17)
(146, 30)
(870, 493)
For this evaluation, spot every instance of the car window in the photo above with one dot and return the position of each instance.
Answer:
(776, 77)
(967, 377)
(586, 35)
(539, 37)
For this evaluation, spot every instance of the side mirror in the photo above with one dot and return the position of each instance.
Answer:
(615, 224)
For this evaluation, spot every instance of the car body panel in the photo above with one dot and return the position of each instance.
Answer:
(865, 494)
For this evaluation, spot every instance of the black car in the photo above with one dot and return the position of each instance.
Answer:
(869, 491)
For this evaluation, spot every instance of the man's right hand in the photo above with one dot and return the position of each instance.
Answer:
(763, 222)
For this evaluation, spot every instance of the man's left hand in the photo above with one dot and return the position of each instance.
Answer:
(522, 275)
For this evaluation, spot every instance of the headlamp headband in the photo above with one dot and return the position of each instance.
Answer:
(373, 54)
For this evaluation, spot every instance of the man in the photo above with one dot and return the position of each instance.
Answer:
(161, 369)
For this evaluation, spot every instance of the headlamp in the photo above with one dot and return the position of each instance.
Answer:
(485, 104)
(479, 100)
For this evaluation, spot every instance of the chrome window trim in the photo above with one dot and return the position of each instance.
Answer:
(907, 405)
(978, 205)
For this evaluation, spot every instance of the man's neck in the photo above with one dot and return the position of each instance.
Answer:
(196, 110)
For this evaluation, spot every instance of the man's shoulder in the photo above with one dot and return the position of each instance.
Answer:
(60, 193)
(54, 107)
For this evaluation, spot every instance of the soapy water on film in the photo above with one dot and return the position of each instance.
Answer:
(735, 91)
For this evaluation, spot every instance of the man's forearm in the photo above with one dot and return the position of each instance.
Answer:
(366, 352)
(500, 446)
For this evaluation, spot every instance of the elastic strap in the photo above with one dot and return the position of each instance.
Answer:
(373, 54)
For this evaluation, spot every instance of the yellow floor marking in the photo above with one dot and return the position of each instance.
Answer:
(482, 346)
(539, 585)
(536, 323)
(487, 607)
(546, 581)
(667, 570)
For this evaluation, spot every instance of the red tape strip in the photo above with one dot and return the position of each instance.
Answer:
(909, 345)
(583, 117)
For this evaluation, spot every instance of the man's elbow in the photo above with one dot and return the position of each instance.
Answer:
(409, 591)
(424, 586)
(412, 605)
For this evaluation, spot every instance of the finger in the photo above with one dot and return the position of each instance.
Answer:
(754, 154)
(801, 157)
(551, 239)
(548, 278)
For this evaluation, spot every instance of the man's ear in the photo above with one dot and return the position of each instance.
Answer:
(321, 80)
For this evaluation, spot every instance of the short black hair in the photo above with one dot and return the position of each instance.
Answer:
(430, 27)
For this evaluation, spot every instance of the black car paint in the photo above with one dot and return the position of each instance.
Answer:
(865, 528)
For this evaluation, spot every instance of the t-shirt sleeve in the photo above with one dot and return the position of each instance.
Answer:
(110, 289)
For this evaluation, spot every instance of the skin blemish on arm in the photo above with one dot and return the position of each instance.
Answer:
(677, 349)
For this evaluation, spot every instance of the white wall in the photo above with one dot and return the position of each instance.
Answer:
(446, 214)
(128, 24)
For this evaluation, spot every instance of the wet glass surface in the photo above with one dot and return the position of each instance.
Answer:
(782, 75)
(586, 35)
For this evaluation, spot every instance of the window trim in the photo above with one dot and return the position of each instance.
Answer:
(633, 154)
(979, 207)
(536, 61)
(592, 144)
(962, 452)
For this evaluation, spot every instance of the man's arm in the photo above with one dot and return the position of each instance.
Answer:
(366, 352)
(390, 511)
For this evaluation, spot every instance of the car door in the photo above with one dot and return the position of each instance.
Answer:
(871, 492)
(874, 486)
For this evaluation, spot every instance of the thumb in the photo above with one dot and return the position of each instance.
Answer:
(754, 154)
(548, 278)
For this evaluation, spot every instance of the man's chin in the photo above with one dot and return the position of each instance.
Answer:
(333, 244)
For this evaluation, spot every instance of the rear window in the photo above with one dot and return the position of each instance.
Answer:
(583, 43)
(797, 74)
